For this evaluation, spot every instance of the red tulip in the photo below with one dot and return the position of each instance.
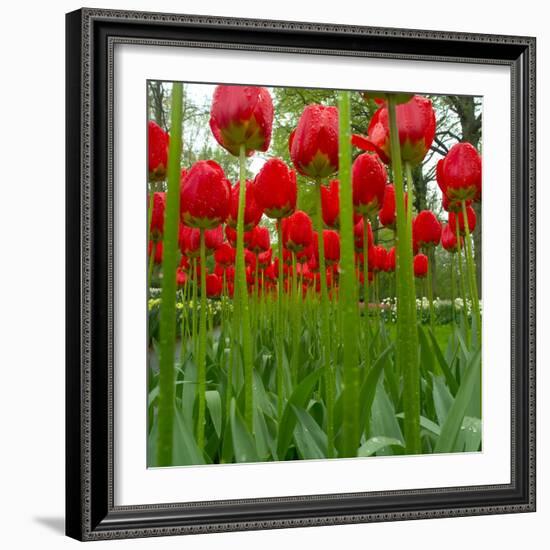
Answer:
(387, 212)
(331, 242)
(313, 262)
(416, 125)
(231, 236)
(213, 285)
(303, 256)
(264, 258)
(184, 263)
(369, 179)
(390, 260)
(302, 269)
(252, 210)
(227, 272)
(420, 265)
(205, 193)
(297, 231)
(313, 145)
(330, 205)
(358, 235)
(181, 277)
(287, 266)
(230, 289)
(448, 239)
(270, 272)
(258, 239)
(275, 189)
(225, 255)
(472, 220)
(308, 277)
(249, 258)
(158, 251)
(157, 216)
(377, 258)
(158, 141)
(189, 240)
(426, 229)
(330, 280)
(251, 276)
(459, 173)
(242, 115)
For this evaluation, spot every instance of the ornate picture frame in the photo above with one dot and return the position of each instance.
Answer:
(90, 330)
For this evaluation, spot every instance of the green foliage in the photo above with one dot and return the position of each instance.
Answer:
(447, 420)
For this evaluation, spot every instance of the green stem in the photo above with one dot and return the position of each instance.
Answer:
(366, 312)
(295, 323)
(279, 322)
(462, 281)
(325, 323)
(407, 335)
(151, 266)
(167, 386)
(453, 290)
(243, 296)
(153, 247)
(184, 319)
(410, 194)
(194, 320)
(201, 373)
(233, 351)
(376, 285)
(348, 289)
(430, 297)
(437, 368)
(256, 294)
(472, 274)
(261, 297)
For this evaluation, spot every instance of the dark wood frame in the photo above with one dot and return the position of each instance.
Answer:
(90, 512)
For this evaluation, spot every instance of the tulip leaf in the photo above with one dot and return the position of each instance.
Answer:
(227, 443)
(214, 404)
(451, 428)
(186, 450)
(383, 420)
(427, 424)
(451, 382)
(377, 444)
(153, 394)
(469, 439)
(427, 363)
(189, 391)
(298, 398)
(243, 443)
(368, 389)
(152, 445)
(310, 439)
(264, 443)
(443, 400)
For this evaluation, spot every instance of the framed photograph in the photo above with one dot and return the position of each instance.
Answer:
(300, 274)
